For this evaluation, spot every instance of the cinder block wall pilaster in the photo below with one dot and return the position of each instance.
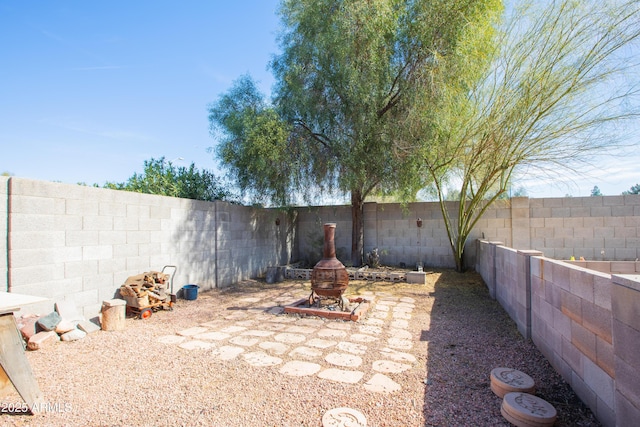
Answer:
(4, 218)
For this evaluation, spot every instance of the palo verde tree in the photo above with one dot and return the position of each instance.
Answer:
(344, 80)
(554, 95)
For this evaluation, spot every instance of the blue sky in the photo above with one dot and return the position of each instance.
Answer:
(89, 90)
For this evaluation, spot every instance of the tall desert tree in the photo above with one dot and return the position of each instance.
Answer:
(561, 83)
(346, 79)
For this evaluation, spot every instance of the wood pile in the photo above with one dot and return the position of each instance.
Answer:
(146, 289)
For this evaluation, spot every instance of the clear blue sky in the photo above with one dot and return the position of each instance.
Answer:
(89, 90)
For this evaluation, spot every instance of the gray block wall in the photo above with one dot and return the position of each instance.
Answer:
(70, 242)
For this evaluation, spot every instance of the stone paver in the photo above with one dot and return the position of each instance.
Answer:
(387, 366)
(331, 333)
(212, 336)
(320, 343)
(381, 383)
(352, 347)
(227, 352)
(259, 359)
(314, 344)
(192, 331)
(290, 338)
(306, 352)
(345, 360)
(298, 368)
(274, 347)
(195, 345)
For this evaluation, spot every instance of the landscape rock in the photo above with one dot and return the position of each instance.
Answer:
(88, 326)
(50, 321)
(68, 311)
(65, 326)
(74, 335)
(28, 326)
(42, 339)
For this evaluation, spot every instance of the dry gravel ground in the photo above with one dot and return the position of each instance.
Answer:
(129, 378)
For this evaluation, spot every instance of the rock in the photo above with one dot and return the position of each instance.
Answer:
(88, 326)
(50, 321)
(42, 339)
(68, 311)
(28, 326)
(74, 335)
(64, 326)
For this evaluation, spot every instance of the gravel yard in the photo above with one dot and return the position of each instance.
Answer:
(421, 356)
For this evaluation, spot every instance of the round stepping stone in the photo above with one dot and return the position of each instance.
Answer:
(399, 343)
(297, 368)
(171, 339)
(289, 338)
(381, 383)
(192, 331)
(398, 356)
(273, 326)
(343, 326)
(257, 333)
(274, 347)
(233, 329)
(212, 336)
(195, 345)
(334, 333)
(341, 376)
(401, 315)
(402, 309)
(227, 352)
(295, 329)
(320, 343)
(527, 410)
(407, 299)
(246, 323)
(379, 315)
(387, 366)
(371, 330)
(306, 352)
(212, 324)
(362, 338)
(237, 316)
(400, 324)
(343, 359)
(400, 333)
(244, 341)
(284, 319)
(506, 380)
(342, 417)
(259, 359)
(381, 307)
(374, 322)
(351, 347)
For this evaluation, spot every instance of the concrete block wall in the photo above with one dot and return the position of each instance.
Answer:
(70, 242)
(597, 228)
(585, 322)
(4, 218)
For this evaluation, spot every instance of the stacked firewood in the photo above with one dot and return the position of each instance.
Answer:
(146, 289)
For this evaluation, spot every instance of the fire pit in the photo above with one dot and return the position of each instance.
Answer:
(329, 281)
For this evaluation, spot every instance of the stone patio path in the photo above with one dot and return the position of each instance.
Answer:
(330, 349)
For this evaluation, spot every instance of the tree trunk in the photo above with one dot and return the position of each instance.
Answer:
(357, 228)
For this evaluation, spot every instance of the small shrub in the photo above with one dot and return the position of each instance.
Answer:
(373, 258)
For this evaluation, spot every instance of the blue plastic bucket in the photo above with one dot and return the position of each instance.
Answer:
(190, 292)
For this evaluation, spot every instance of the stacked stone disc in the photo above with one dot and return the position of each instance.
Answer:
(527, 410)
(519, 406)
(506, 380)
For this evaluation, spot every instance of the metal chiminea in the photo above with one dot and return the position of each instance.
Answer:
(329, 278)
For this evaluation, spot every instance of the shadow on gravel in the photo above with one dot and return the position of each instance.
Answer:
(468, 335)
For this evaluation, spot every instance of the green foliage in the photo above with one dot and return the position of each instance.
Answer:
(595, 191)
(163, 178)
(635, 189)
(549, 99)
